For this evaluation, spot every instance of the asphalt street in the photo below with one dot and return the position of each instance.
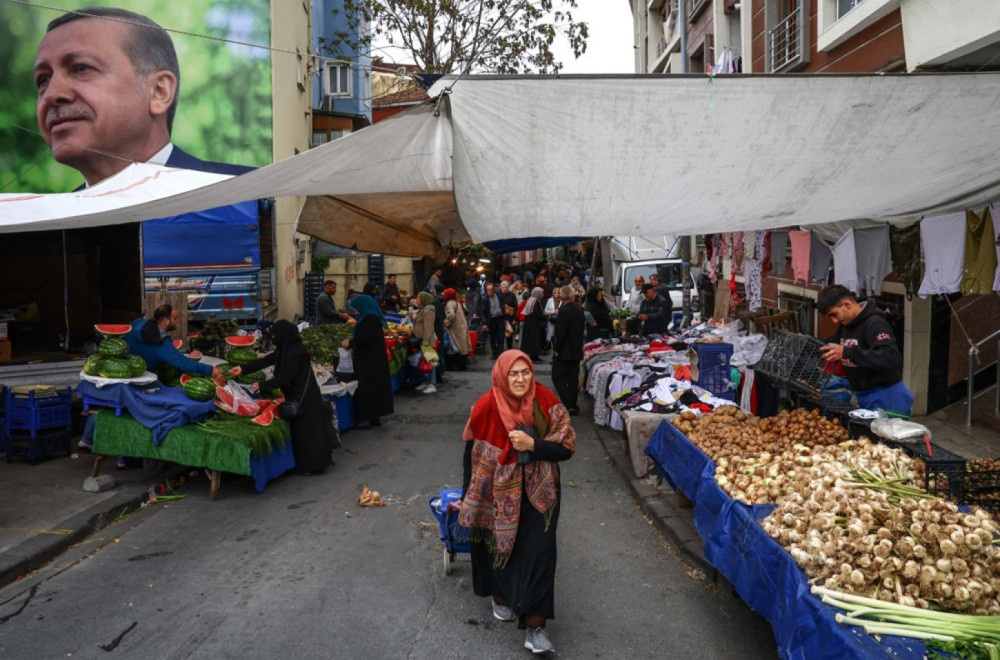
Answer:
(302, 571)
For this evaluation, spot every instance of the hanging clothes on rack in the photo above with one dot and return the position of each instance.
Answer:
(725, 63)
(943, 241)
(904, 246)
(820, 257)
(779, 251)
(845, 263)
(801, 242)
(980, 263)
(874, 259)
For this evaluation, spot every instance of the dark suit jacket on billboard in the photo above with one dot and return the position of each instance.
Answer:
(180, 158)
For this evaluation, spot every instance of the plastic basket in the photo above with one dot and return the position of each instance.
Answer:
(713, 369)
(982, 488)
(793, 359)
(38, 445)
(38, 413)
(944, 472)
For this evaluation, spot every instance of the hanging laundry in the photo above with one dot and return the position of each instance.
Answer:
(874, 257)
(779, 251)
(904, 246)
(943, 241)
(737, 243)
(750, 245)
(801, 242)
(995, 214)
(752, 282)
(845, 264)
(764, 250)
(820, 257)
(726, 63)
(980, 264)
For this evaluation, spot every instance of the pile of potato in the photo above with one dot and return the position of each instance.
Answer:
(729, 431)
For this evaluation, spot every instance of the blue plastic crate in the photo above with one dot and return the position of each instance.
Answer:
(33, 413)
(713, 369)
(37, 445)
(345, 411)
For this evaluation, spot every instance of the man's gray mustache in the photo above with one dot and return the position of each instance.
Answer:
(67, 112)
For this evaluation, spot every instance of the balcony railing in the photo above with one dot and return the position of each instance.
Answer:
(785, 41)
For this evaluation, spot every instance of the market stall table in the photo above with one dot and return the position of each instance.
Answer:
(762, 572)
(234, 445)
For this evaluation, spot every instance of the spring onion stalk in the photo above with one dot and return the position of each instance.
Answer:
(881, 617)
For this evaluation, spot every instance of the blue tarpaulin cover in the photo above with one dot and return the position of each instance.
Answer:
(763, 573)
(223, 237)
(157, 407)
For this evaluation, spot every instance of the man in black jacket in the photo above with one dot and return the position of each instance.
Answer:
(567, 349)
(865, 346)
(489, 309)
(654, 311)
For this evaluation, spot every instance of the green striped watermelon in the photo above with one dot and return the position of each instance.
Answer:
(199, 389)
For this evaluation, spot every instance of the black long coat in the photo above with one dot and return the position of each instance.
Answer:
(313, 435)
(371, 367)
(533, 337)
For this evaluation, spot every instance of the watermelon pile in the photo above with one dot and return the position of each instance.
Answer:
(225, 401)
(112, 359)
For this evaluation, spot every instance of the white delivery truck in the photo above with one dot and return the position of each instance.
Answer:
(625, 257)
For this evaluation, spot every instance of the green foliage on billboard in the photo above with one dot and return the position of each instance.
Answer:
(224, 112)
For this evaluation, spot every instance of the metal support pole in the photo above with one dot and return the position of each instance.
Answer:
(969, 389)
(682, 21)
(686, 280)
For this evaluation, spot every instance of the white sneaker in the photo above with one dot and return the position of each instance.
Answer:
(421, 387)
(537, 641)
(430, 389)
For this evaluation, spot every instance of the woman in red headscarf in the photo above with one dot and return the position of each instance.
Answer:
(515, 437)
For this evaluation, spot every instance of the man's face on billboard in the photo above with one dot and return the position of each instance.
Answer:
(93, 111)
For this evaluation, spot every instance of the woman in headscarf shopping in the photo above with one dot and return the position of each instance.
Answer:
(423, 328)
(313, 434)
(457, 327)
(514, 439)
(533, 327)
(599, 323)
(373, 398)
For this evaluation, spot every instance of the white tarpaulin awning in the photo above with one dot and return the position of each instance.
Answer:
(520, 156)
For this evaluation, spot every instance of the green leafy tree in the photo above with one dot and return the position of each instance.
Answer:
(463, 36)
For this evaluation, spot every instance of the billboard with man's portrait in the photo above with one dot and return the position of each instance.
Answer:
(224, 110)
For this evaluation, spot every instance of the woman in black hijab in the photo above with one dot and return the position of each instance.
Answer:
(313, 435)
(599, 323)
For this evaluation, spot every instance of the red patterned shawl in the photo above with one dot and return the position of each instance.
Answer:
(492, 504)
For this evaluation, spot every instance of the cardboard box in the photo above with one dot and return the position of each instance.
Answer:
(5, 351)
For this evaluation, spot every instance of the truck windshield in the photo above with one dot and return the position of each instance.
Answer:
(670, 274)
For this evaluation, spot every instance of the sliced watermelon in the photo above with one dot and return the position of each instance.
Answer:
(223, 395)
(247, 409)
(113, 329)
(265, 418)
(265, 404)
(195, 355)
(185, 378)
(178, 343)
(245, 340)
(225, 407)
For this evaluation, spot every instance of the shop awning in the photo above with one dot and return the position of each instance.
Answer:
(492, 158)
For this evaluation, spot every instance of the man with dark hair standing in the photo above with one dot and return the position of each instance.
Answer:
(107, 83)
(865, 345)
(390, 294)
(150, 340)
(567, 349)
(326, 310)
(654, 311)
